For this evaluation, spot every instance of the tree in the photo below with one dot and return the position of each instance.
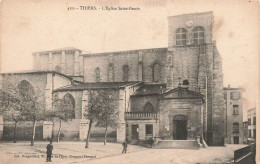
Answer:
(92, 110)
(63, 110)
(10, 104)
(32, 105)
(109, 116)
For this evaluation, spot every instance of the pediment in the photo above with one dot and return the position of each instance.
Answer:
(182, 93)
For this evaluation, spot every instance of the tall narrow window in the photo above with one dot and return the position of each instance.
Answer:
(198, 35)
(125, 72)
(235, 109)
(181, 35)
(97, 74)
(156, 72)
(235, 127)
(249, 133)
(254, 121)
(249, 121)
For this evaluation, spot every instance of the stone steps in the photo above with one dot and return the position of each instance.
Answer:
(177, 144)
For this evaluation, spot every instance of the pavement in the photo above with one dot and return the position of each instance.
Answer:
(75, 152)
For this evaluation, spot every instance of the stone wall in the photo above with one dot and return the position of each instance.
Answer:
(172, 107)
(66, 61)
(204, 20)
(140, 65)
(138, 103)
(142, 129)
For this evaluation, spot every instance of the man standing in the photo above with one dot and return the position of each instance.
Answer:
(124, 144)
(49, 151)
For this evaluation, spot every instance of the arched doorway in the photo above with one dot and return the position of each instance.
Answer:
(180, 127)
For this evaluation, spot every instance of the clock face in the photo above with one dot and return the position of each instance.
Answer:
(189, 23)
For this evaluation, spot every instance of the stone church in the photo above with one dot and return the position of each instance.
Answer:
(171, 93)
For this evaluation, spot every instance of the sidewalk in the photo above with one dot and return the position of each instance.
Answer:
(75, 152)
(64, 152)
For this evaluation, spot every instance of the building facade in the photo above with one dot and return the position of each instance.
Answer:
(234, 133)
(169, 93)
(251, 119)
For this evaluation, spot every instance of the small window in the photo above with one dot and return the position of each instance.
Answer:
(181, 37)
(236, 127)
(235, 109)
(125, 72)
(249, 133)
(254, 121)
(185, 82)
(97, 74)
(254, 133)
(198, 35)
(149, 129)
(249, 121)
(234, 95)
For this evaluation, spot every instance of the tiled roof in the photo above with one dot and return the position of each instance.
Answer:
(150, 89)
(97, 85)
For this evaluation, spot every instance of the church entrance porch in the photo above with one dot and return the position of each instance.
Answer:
(180, 127)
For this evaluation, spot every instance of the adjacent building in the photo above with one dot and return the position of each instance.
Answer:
(251, 119)
(171, 93)
(234, 133)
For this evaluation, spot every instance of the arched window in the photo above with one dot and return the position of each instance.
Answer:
(185, 82)
(148, 107)
(181, 37)
(97, 74)
(125, 72)
(156, 72)
(198, 35)
(68, 106)
(25, 88)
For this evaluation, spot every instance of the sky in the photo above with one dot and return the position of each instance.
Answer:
(38, 25)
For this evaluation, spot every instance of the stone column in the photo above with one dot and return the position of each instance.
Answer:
(76, 63)
(84, 101)
(50, 61)
(140, 67)
(141, 131)
(37, 65)
(83, 129)
(47, 129)
(121, 131)
(81, 59)
(48, 92)
(63, 62)
(1, 127)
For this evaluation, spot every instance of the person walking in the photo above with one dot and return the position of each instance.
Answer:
(49, 151)
(124, 144)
